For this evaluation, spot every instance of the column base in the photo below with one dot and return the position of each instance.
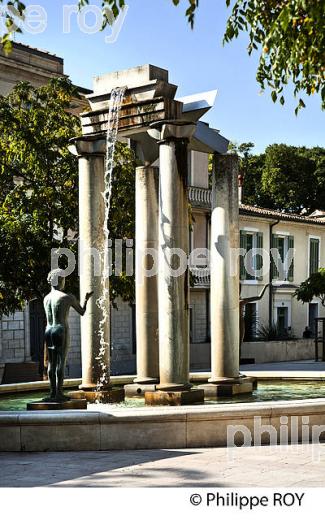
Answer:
(138, 389)
(146, 380)
(253, 380)
(73, 404)
(174, 398)
(228, 387)
(106, 396)
(174, 387)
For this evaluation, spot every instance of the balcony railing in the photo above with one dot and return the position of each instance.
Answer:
(199, 197)
(201, 276)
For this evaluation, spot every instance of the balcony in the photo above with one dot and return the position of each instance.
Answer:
(199, 197)
(201, 277)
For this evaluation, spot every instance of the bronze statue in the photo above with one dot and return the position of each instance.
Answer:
(242, 304)
(57, 305)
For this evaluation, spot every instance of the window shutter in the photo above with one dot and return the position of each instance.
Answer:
(313, 255)
(243, 245)
(259, 258)
(291, 268)
(274, 269)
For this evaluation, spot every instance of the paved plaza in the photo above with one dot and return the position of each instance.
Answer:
(265, 466)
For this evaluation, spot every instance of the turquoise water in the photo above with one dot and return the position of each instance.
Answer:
(267, 391)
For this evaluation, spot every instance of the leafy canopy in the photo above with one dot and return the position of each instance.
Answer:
(285, 178)
(38, 186)
(313, 287)
(288, 34)
(39, 191)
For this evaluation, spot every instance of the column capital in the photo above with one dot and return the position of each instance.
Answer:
(84, 146)
(172, 130)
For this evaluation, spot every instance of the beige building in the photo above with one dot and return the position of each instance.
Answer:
(305, 236)
(35, 66)
(27, 64)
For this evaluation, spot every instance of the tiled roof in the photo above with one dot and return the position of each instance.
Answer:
(271, 213)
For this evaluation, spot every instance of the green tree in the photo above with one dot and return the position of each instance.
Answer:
(289, 35)
(293, 178)
(313, 287)
(39, 191)
(38, 186)
(285, 178)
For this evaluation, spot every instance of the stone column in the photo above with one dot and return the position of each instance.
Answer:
(173, 280)
(91, 154)
(225, 378)
(146, 225)
(91, 236)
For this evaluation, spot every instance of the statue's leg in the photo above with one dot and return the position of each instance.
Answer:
(52, 375)
(60, 372)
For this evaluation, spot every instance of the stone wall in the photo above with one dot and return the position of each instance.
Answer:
(74, 357)
(122, 341)
(12, 344)
(122, 349)
(274, 351)
(198, 304)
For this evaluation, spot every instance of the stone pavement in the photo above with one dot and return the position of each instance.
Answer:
(265, 466)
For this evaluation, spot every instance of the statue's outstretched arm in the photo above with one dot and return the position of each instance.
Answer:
(77, 306)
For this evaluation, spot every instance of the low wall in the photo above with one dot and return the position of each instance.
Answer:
(189, 427)
(273, 351)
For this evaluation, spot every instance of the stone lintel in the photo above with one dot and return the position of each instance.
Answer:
(134, 118)
(174, 398)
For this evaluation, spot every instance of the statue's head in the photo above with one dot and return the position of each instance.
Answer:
(56, 279)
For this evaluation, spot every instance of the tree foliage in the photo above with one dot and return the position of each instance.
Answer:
(291, 38)
(38, 186)
(289, 34)
(313, 287)
(39, 191)
(122, 220)
(285, 178)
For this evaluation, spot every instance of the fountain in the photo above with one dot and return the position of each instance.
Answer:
(159, 127)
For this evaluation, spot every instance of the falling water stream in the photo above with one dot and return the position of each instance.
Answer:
(116, 100)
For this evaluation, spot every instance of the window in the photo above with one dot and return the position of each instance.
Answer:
(283, 264)
(250, 240)
(250, 321)
(313, 255)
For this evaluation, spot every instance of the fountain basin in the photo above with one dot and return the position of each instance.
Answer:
(130, 425)
(102, 428)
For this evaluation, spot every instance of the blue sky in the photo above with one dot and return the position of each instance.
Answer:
(156, 32)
